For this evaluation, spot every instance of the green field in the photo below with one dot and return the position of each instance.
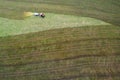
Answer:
(77, 40)
(52, 21)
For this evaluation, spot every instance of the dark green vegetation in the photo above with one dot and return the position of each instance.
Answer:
(82, 53)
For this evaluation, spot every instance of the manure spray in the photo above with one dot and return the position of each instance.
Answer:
(28, 14)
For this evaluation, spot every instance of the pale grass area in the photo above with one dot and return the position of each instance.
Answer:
(51, 21)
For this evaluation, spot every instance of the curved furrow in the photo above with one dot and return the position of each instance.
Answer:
(55, 60)
(103, 61)
(81, 63)
(41, 53)
(79, 76)
(60, 70)
(55, 50)
(64, 42)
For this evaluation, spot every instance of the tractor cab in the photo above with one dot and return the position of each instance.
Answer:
(42, 15)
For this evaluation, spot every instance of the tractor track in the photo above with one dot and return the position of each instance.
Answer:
(62, 42)
(40, 53)
(53, 60)
(87, 75)
(82, 63)
(57, 70)
(49, 45)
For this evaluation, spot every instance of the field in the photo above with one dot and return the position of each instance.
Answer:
(78, 40)
(52, 21)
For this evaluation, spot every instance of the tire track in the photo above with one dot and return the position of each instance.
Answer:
(65, 43)
(53, 70)
(54, 60)
(41, 53)
(106, 62)
(88, 75)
